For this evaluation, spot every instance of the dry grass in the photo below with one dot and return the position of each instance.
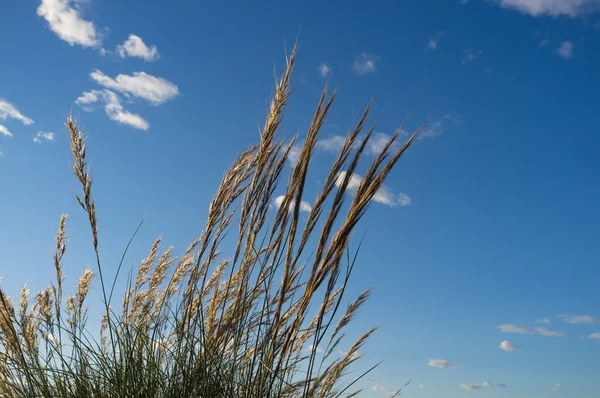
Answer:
(205, 325)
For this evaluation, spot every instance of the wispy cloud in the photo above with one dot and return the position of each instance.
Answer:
(43, 136)
(508, 346)
(4, 131)
(421, 386)
(582, 319)
(9, 111)
(554, 8)
(594, 336)
(440, 363)
(304, 206)
(134, 46)
(435, 128)
(471, 387)
(487, 384)
(153, 89)
(113, 108)
(544, 321)
(383, 195)
(556, 387)
(470, 55)
(374, 147)
(522, 330)
(378, 387)
(64, 19)
(434, 42)
(566, 50)
(365, 63)
(502, 385)
(324, 69)
(294, 154)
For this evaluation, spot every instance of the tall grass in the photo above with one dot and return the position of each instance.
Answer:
(251, 324)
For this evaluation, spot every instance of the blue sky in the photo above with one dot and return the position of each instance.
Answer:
(481, 252)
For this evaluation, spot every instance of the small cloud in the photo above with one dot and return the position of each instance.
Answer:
(8, 110)
(463, 2)
(378, 387)
(440, 363)
(582, 319)
(383, 195)
(544, 321)
(565, 50)
(435, 128)
(42, 136)
(113, 108)
(508, 347)
(304, 206)
(434, 42)
(309, 349)
(554, 8)
(4, 131)
(594, 336)
(522, 330)
(471, 387)
(544, 43)
(294, 154)
(502, 385)
(324, 69)
(556, 387)
(153, 89)
(66, 22)
(470, 55)
(487, 384)
(374, 146)
(421, 386)
(356, 354)
(365, 63)
(134, 46)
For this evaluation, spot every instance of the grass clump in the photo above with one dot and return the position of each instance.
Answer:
(205, 325)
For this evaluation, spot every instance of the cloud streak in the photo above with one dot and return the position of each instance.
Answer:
(365, 64)
(441, 363)
(554, 8)
(9, 111)
(522, 330)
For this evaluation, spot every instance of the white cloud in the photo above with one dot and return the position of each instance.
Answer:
(64, 19)
(554, 8)
(356, 354)
(544, 321)
(508, 347)
(471, 387)
(324, 69)
(521, 330)
(374, 147)
(8, 110)
(582, 319)
(565, 50)
(134, 46)
(440, 363)
(378, 387)
(304, 206)
(463, 2)
(502, 385)
(383, 195)
(544, 43)
(470, 55)
(365, 63)
(594, 336)
(434, 42)
(556, 387)
(435, 128)
(294, 154)
(421, 386)
(42, 136)
(113, 108)
(4, 131)
(153, 89)
(487, 384)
